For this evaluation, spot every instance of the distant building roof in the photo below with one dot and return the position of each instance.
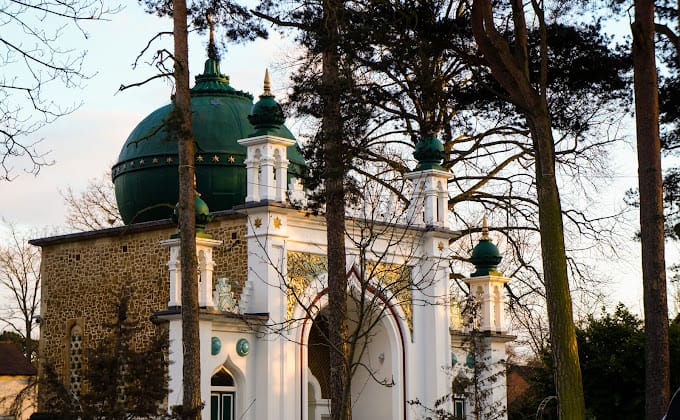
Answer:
(13, 362)
(518, 381)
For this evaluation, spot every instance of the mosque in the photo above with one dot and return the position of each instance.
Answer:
(262, 288)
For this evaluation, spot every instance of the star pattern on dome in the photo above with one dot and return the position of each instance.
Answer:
(132, 164)
(215, 158)
(214, 101)
(154, 160)
(141, 162)
(199, 158)
(168, 159)
(231, 159)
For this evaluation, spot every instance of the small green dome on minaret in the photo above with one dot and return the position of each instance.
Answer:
(266, 115)
(429, 153)
(203, 216)
(485, 256)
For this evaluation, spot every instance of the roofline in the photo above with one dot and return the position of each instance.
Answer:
(119, 230)
(237, 211)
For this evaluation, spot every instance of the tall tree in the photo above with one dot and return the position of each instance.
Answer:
(20, 282)
(332, 138)
(181, 119)
(238, 25)
(509, 65)
(657, 390)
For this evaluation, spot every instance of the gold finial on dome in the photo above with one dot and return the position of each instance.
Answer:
(212, 49)
(267, 84)
(485, 229)
(211, 26)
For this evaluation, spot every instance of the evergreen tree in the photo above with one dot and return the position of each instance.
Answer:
(125, 380)
(510, 64)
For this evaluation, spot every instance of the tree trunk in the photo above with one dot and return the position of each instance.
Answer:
(331, 137)
(558, 297)
(510, 67)
(191, 403)
(657, 386)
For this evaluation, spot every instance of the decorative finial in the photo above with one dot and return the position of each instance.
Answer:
(429, 153)
(212, 49)
(485, 255)
(267, 84)
(266, 115)
(485, 230)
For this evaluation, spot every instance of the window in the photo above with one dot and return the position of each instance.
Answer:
(222, 396)
(75, 362)
(459, 408)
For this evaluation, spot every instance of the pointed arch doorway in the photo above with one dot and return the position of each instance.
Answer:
(222, 396)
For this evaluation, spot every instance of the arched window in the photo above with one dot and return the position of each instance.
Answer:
(222, 396)
(75, 362)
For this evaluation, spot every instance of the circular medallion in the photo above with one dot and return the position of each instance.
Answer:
(242, 347)
(215, 346)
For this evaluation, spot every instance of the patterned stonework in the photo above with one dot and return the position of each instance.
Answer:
(386, 279)
(302, 269)
(397, 280)
(82, 276)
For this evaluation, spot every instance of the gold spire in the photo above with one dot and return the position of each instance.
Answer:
(212, 49)
(267, 85)
(485, 229)
(211, 26)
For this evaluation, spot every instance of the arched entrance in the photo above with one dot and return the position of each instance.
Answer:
(375, 389)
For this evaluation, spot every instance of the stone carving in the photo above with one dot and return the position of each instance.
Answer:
(225, 296)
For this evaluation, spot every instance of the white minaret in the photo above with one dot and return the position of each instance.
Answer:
(267, 224)
(428, 212)
(480, 349)
(266, 158)
(487, 285)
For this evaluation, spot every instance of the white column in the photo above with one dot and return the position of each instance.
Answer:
(252, 178)
(175, 363)
(281, 176)
(442, 204)
(174, 272)
(274, 374)
(206, 264)
(430, 204)
(431, 354)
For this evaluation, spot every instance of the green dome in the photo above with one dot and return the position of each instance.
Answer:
(146, 177)
(202, 212)
(266, 115)
(429, 152)
(485, 256)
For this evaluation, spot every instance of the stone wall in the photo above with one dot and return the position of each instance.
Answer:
(83, 275)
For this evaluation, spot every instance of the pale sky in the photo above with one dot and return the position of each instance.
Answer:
(86, 143)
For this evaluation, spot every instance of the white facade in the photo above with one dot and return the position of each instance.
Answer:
(406, 353)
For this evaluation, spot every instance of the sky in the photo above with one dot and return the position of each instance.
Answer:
(87, 142)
